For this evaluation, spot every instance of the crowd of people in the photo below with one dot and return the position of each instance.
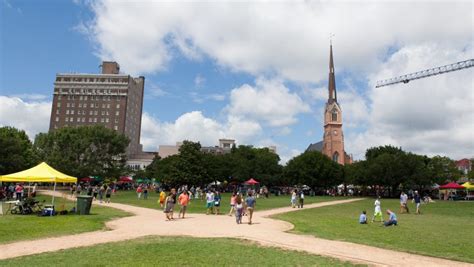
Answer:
(17, 191)
(101, 193)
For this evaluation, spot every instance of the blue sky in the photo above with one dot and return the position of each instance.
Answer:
(254, 72)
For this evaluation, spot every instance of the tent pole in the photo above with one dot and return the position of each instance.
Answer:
(54, 191)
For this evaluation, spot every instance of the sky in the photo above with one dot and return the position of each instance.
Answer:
(254, 71)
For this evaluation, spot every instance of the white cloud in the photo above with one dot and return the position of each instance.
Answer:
(269, 101)
(155, 91)
(432, 116)
(31, 116)
(286, 38)
(194, 126)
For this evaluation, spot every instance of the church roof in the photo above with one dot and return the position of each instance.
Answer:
(332, 79)
(316, 147)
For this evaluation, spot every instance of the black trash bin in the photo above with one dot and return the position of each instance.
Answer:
(84, 204)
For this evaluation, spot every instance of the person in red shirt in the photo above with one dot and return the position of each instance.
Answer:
(19, 191)
(139, 191)
(183, 202)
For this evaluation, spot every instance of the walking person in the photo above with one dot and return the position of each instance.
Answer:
(101, 193)
(209, 202)
(404, 203)
(250, 202)
(301, 200)
(169, 205)
(293, 199)
(183, 202)
(232, 203)
(162, 198)
(95, 191)
(139, 191)
(108, 193)
(239, 208)
(377, 210)
(217, 202)
(145, 192)
(417, 200)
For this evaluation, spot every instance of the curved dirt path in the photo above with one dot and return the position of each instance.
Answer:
(265, 231)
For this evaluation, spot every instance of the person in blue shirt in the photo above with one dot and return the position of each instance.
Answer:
(363, 217)
(417, 200)
(250, 202)
(392, 220)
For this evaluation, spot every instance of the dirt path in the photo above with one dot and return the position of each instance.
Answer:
(266, 231)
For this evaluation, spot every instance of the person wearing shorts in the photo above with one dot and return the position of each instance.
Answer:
(162, 198)
(169, 205)
(183, 201)
(417, 200)
(232, 203)
(108, 193)
(378, 210)
(217, 202)
(250, 202)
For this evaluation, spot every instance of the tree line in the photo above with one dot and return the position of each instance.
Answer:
(99, 151)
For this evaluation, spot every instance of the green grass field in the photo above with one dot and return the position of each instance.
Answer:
(199, 206)
(25, 227)
(175, 251)
(444, 229)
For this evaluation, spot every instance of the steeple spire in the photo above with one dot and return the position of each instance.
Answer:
(332, 78)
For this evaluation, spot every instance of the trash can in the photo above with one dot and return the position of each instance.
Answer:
(84, 204)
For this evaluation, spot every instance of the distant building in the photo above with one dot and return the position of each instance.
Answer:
(224, 147)
(332, 144)
(110, 99)
(141, 161)
(464, 165)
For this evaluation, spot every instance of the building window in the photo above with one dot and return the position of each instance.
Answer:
(335, 157)
(57, 111)
(72, 105)
(116, 120)
(80, 105)
(102, 113)
(67, 111)
(106, 119)
(68, 105)
(59, 104)
(91, 112)
(57, 119)
(108, 105)
(117, 113)
(80, 97)
(95, 119)
(92, 105)
(96, 105)
(103, 105)
(116, 127)
(90, 119)
(85, 97)
(96, 112)
(59, 97)
(83, 119)
(118, 105)
(72, 112)
(66, 119)
(334, 116)
(107, 113)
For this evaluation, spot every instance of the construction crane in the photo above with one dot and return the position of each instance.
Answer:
(427, 73)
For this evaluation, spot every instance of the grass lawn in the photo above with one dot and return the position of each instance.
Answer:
(445, 229)
(176, 251)
(23, 227)
(199, 206)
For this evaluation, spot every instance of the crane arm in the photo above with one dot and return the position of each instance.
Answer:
(427, 73)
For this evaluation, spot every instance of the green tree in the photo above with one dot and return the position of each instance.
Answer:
(83, 151)
(16, 151)
(374, 152)
(443, 169)
(314, 169)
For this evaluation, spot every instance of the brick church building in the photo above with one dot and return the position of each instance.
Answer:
(332, 144)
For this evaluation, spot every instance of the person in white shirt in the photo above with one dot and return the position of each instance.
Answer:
(378, 210)
(209, 202)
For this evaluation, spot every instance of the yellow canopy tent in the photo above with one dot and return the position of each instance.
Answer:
(468, 186)
(41, 173)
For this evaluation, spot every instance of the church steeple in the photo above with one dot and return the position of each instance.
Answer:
(332, 79)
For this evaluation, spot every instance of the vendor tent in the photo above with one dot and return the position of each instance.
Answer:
(126, 179)
(41, 173)
(251, 181)
(451, 185)
(468, 186)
